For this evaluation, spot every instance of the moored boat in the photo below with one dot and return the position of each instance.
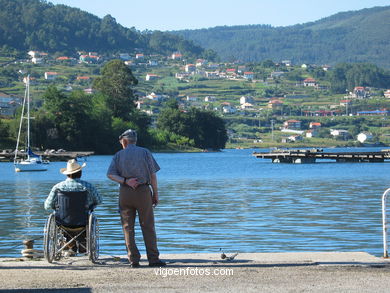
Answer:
(32, 162)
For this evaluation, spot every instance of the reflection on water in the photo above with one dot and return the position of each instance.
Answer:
(226, 200)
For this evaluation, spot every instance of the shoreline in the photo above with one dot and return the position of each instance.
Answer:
(201, 272)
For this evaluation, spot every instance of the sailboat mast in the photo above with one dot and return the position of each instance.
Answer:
(21, 121)
(28, 113)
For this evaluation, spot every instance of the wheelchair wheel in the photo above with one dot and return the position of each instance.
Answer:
(50, 239)
(93, 238)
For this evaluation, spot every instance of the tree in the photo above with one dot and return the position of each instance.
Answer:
(205, 128)
(115, 83)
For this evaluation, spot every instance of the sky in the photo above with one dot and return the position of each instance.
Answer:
(167, 15)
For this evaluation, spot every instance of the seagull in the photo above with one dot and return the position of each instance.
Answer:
(228, 258)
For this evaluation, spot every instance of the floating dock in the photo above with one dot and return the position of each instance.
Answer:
(50, 156)
(299, 156)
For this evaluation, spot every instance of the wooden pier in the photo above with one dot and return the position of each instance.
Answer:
(6, 156)
(299, 156)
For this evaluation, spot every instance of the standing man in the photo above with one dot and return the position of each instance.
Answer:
(134, 168)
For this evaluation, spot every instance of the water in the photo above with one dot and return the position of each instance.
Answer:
(228, 200)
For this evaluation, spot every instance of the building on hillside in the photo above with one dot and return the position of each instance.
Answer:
(246, 99)
(344, 134)
(153, 63)
(210, 99)
(181, 75)
(387, 94)
(191, 99)
(360, 92)
(231, 71)
(151, 76)
(125, 56)
(241, 69)
(382, 112)
(89, 59)
(314, 125)
(311, 133)
(83, 78)
(190, 68)
(275, 104)
(365, 137)
(321, 113)
(228, 109)
(277, 74)
(292, 124)
(200, 62)
(247, 106)
(212, 74)
(249, 75)
(51, 75)
(8, 104)
(154, 97)
(176, 56)
(345, 103)
(310, 82)
(139, 56)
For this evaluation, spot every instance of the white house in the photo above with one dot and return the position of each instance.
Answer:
(311, 133)
(309, 82)
(210, 99)
(125, 56)
(339, 133)
(51, 75)
(36, 60)
(364, 136)
(246, 99)
(200, 62)
(151, 76)
(191, 99)
(249, 75)
(246, 106)
(228, 109)
(176, 56)
(314, 125)
(190, 68)
(292, 124)
(154, 97)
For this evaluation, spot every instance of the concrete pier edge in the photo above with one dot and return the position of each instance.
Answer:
(202, 272)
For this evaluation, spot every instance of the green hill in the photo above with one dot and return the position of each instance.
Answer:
(355, 36)
(40, 25)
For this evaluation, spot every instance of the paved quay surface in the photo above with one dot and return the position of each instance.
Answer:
(247, 272)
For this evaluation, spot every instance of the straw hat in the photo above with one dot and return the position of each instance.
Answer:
(72, 167)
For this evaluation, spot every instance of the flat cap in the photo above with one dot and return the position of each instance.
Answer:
(129, 133)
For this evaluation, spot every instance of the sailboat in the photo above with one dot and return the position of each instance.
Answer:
(33, 162)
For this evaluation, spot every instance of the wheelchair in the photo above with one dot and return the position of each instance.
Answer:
(72, 227)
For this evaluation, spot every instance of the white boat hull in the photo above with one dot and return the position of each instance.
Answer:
(27, 166)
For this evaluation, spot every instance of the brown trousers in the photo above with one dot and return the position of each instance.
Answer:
(130, 202)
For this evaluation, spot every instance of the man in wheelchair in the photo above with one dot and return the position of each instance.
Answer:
(72, 200)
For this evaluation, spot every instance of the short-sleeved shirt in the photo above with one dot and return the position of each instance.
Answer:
(134, 162)
(73, 185)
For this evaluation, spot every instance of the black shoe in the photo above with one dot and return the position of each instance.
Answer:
(157, 264)
(135, 265)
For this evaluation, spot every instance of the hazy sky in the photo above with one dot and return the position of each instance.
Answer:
(192, 14)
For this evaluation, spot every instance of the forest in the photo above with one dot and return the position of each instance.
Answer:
(39, 25)
(344, 37)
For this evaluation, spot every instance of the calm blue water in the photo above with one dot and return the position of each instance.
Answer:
(228, 200)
